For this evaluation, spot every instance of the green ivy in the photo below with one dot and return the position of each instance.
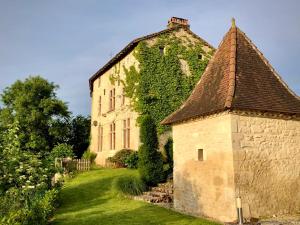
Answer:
(160, 86)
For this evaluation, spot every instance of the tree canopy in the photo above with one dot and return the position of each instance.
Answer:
(33, 102)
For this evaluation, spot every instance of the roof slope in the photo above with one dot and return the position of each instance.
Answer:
(133, 44)
(237, 77)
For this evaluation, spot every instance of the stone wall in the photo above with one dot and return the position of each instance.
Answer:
(102, 86)
(267, 163)
(105, 118)
(204, 188)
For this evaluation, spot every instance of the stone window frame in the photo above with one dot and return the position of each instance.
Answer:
(100, 105)
(100, 139)
(200, 155)
(126, 133)
(112, 136)
(112, 99)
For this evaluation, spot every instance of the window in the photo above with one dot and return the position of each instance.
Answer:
(123, 96)
(100, 138)
(99, 81)
(126, 133)
(199, 56)
(200, 154)
(161, 50)
(112, 99)
(100, 106)
(112, 136)
(104, 92)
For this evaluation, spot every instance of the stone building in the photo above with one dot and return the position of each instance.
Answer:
(113, 124)
(238, 134)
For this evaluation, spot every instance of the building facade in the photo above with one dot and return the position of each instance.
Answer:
(114, 124)
(237, 135)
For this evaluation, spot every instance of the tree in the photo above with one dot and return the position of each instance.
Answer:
(80, 134)
(34, 104)
(150, 163)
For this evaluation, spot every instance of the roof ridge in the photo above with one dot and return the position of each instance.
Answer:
(134, 42)
(232, 66)
(261, 55)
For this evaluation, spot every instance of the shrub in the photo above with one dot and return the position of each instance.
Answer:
(90, 156)
(132, 160)
(129, 185)
(168, 149)
(20, 168)
(28, 206)
(119, 159)
(150, 163)
(62, 151)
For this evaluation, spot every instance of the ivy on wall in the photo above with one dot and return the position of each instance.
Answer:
(161, 85)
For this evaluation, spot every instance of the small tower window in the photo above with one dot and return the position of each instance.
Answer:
(199, 56)
(200, 154)
(161, 50)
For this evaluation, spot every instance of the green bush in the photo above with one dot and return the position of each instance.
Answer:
(129, 185)
(119, 159)
(168, 150)
(150, 164)
(132, 160)
(28, 206)
(62, 151)
(90, 156)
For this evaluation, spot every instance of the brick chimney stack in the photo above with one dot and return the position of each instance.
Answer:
(175, 21)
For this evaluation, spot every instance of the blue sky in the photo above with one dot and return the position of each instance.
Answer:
(66, 41)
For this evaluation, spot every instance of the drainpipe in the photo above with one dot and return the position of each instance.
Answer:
(239, 210)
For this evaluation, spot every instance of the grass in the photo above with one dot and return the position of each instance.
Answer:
(89, 199)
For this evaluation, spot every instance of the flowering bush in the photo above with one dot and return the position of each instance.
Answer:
(26, 196)
(28, 206)
(20, 168)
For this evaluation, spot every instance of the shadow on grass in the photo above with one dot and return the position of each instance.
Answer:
(85, 195)
(143, 215)
(89, 199)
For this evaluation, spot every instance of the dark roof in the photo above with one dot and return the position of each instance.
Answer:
(133, 44)
(237, 77)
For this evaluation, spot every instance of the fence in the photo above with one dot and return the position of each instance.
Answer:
(82, 164)
(73, 164)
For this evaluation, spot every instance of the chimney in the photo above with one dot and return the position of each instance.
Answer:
(175, 21)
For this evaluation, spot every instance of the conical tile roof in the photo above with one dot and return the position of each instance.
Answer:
(237, 77)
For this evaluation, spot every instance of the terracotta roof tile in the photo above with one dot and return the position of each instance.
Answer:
(237, 77)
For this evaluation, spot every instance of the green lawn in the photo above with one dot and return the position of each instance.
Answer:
(88, 199)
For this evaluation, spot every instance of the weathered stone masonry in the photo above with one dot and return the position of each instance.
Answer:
(266, 151)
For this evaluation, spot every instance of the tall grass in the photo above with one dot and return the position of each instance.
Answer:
(129, 185)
